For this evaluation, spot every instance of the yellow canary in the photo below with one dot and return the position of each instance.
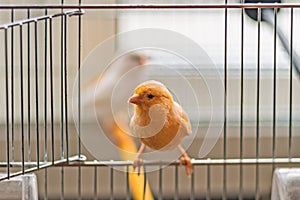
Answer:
(158, 121)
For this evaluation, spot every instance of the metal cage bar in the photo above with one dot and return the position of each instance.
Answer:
(257, 175)
(291, 85)
(65, 161)
(12, 90)
(22, 98)
(36, 94)
(154, 6)
(224, 193)
(28, 89)
(45, 87)
(274, 87)
(7, 105)
(242, 107)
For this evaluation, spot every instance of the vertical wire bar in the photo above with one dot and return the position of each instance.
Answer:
(193, 184)
(242, 107)
(6, 103)
(79, 97)
(224, 193)
(111, 173)
(36, 96)
(160, 195)
(208, 195)
(62, 184)
(95, 184)
(79, 83)
(61, 102)
(45, 184)
(22, 98)
(79, 183)
(62, 153)
(176, 183)
(127, 183)
(28, 89)
(45, 90)
(291, 86)
(144, 182)
(51, 89)
(79, 93)
(12, 92)
(257, 103)
(274, 89)
(66, 87)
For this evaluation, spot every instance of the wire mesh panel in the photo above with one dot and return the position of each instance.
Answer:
(42, 51)
(27, 103)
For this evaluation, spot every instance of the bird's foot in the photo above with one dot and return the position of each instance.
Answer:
(138, 163)
(185, 160)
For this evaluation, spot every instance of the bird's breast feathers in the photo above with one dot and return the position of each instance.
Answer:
(161, 128)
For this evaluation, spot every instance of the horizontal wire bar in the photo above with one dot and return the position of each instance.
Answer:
(153, 6)
(44, 17)
(194, 162)
(80, 161)
(42, 165)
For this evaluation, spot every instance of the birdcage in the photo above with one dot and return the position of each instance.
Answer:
(43, 47)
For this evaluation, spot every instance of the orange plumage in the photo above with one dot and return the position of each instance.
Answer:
(158, 121)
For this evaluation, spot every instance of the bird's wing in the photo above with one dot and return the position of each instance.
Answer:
(184, 120)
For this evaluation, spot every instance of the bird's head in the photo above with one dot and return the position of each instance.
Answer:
(151, 93)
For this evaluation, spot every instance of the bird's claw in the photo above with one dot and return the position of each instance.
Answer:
(137, 163)
(185, 160)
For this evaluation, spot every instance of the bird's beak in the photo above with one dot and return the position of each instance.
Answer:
(135, 99)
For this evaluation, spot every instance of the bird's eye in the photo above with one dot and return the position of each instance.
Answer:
(150, 96)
